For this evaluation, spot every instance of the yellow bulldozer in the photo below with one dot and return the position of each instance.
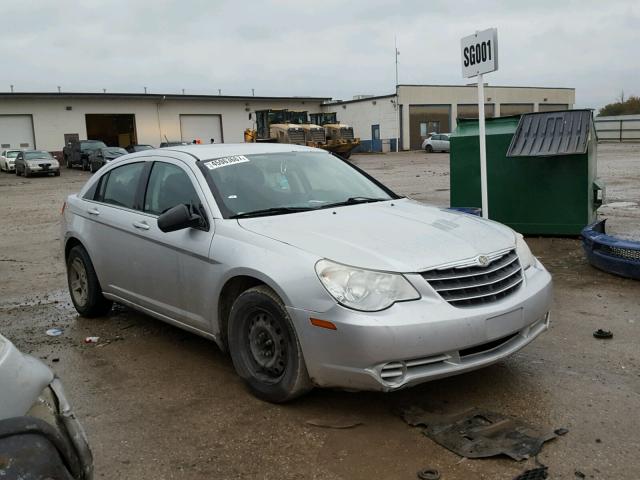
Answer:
(293, 126)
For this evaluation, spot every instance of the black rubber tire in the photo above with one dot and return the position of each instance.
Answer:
(85, 166)
(346, 155)
(95, 305)
(294, 381)
(26, 172)
(428, 149)
(57, 174)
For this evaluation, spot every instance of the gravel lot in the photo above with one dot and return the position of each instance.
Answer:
(160, 403)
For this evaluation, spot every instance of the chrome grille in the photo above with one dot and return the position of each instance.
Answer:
(317, 135)
(296, 136)
(477, 285)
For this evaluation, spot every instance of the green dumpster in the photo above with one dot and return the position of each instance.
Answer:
(541, 170)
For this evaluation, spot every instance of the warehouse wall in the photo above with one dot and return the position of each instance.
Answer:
(154, 120)
(468, 94)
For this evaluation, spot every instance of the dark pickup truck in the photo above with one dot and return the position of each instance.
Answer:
(77, 152)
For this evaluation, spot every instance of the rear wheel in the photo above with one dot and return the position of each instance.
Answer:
(429, 149)
(264, 346)
(84, 287)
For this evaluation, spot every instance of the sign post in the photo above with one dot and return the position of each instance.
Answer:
(479, 56)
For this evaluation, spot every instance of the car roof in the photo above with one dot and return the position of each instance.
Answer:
(217, 150)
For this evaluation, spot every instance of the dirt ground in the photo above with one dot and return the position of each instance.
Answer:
(160, 403)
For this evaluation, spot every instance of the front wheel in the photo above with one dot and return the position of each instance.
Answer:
(429, 149)
(264, 347)
(27, 172)
(84, 287)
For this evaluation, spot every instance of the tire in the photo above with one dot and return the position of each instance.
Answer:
(428, 149)
(84, 287)
(56, 174)
(346, 155)
(85, 166)
(26, 172)
(264, 347)
(17, 172)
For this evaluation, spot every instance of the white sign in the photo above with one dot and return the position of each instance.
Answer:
(224, 161)
(479, 53)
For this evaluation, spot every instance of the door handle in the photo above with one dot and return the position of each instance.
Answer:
(141, 225)
(93, 211)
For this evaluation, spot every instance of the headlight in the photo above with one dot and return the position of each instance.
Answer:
(54, 163)
(365, 290)
(524, 254)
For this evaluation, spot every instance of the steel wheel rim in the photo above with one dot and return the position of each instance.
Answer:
(266, 346)
(78, 283)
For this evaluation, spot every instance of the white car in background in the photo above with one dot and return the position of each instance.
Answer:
(437, 142)
(7, 159)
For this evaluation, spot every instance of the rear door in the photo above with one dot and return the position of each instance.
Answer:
(113, 241)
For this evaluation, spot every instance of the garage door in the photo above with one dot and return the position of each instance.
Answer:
(16, 131)
(202, 127)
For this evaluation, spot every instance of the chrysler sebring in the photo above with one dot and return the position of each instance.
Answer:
(308, 271)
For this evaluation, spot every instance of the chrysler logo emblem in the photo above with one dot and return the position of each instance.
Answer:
(483, 261)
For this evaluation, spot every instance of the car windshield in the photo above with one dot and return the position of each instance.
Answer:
(37, 154)
(274, 183)
(13, 153)
(114, 151)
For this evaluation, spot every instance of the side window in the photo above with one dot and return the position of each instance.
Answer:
(168, 186)
(121, 185)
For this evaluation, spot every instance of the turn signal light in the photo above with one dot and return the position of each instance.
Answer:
(316, 322)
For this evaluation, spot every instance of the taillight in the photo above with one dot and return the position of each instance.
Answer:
(64, 205)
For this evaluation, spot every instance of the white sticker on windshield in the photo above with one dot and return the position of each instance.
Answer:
(224, 161)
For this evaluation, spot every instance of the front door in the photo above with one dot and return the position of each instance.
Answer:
(177, 266)
(376, 143)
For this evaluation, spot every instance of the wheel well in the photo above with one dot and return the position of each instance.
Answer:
(72, 242)
(232, 290)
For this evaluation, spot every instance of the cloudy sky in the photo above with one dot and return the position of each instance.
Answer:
(320, 48)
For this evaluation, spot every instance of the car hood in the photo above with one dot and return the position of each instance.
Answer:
(41, 161)
(400, 235)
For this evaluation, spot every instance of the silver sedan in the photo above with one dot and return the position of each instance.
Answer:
(306, 269)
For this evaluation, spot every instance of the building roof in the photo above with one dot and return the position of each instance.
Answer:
(356, 100)
(473, 85)
(150, 96)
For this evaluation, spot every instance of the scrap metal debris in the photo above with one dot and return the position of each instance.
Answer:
(429, 474)
(338, 422)
(478, 433)
(603, 334)
(538, 473)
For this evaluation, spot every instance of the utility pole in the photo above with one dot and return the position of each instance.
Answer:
(145, 90)
(11, 88)
(397, 98)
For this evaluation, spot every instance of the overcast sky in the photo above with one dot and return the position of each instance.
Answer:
(318, 48)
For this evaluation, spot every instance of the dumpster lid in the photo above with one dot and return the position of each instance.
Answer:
(545, 134)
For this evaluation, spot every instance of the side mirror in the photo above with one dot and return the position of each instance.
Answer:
(178, 218)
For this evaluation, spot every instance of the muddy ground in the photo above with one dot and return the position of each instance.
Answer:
(160, 403)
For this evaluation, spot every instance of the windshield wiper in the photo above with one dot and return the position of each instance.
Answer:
(353, 201)
(271, 211)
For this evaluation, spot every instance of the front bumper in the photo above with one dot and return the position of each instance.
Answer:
(39, 169)
(417, 341)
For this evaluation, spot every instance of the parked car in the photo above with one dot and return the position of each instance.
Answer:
(30, 162)
(173, 144)
(138, 148)
(438, 142)
(40, 436)
(305, 268)
(7, 160)
(77, 153)
(102, 156)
